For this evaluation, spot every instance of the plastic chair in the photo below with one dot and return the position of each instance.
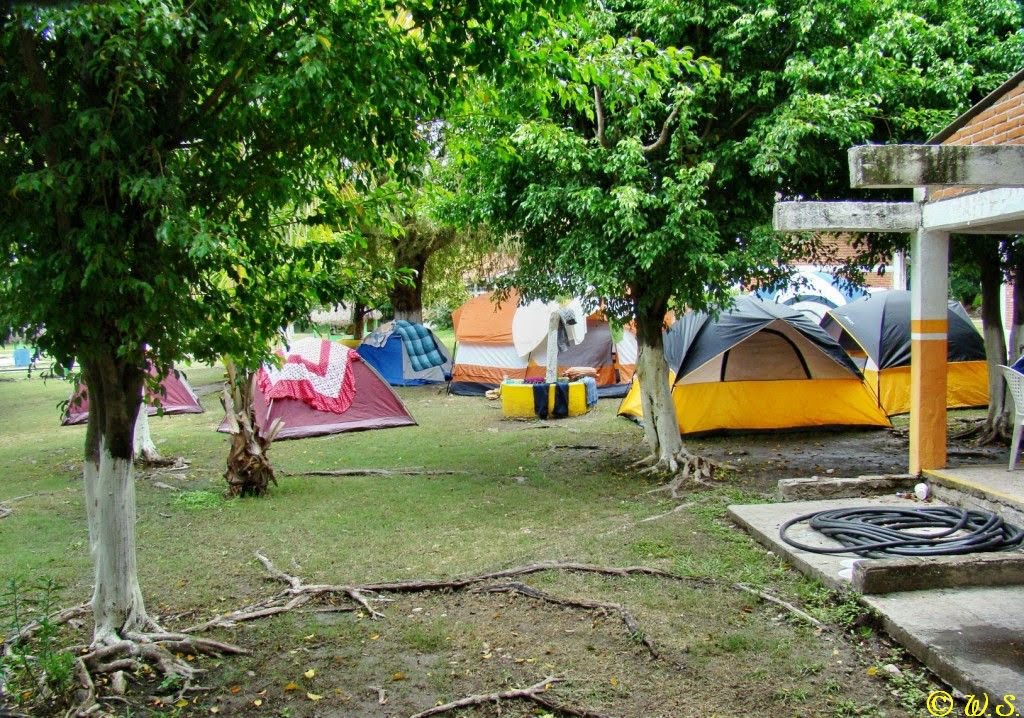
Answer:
(1015, 383)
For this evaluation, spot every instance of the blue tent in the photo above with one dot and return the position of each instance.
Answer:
(407, 354)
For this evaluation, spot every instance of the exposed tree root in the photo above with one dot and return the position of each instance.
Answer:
(627, 618)
(535, 693)
(530, 693)
(972, 428)
(997, 432)
(646, 461)
(152, 459)
(377, 472)
(163, 465)
(57, 619)
(141, 652)
(684, 468)
(677, 509)
(5, 508)
(298, 593)
(156, 650)
(969, 453)
(803, 615)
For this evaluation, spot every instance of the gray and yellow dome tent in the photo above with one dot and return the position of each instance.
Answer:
(760, 366)
(876, 332)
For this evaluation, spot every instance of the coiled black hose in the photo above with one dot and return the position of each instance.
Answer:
(875, 531)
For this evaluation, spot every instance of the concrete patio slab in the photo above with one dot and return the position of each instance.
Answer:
(971, 637)
(763, 522)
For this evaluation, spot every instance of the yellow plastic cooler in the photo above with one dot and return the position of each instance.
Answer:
(517, 399)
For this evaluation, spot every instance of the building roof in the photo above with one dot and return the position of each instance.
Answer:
(989, 100)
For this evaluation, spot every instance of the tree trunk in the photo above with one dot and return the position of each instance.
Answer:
(998, 418)
(249, 472)
(407, 299)
(551, 350)
(1016, 347)
(143, 446)
(115, 394)
(661, 428)
(358, 320)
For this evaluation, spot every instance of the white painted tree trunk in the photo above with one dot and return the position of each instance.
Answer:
(143, 446)
(1000, 403)
(117, 599)
(661, 428)
(551, 352)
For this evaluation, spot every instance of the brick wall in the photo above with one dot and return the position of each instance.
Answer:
(841, 247)
(1002, 123)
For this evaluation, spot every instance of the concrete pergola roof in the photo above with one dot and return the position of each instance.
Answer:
(995, 204)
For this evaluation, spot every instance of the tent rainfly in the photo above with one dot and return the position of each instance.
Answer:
(508, 341)
(876, 333)
(760, 366)
(323, 387)
(407, 354)
(174, 396)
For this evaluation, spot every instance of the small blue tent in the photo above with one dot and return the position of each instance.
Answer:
(407, 354)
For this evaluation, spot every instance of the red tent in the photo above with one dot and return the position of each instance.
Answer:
(324, 387)
(175, 396)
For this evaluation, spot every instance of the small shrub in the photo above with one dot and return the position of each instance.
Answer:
(35, 669)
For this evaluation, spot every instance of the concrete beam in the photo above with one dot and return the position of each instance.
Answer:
(997, 211)
(846, 216)
(890, 166)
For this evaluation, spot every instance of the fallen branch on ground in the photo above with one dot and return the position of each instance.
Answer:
(627, 618)
(376, 472)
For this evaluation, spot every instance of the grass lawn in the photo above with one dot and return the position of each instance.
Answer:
(526, 491)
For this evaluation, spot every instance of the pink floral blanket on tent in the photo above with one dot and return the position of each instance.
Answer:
(314, 371)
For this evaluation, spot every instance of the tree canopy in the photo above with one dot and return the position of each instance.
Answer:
(152, 153)
(643, 163)
(149, 147)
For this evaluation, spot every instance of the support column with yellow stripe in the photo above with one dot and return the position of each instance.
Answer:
(929, 288)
